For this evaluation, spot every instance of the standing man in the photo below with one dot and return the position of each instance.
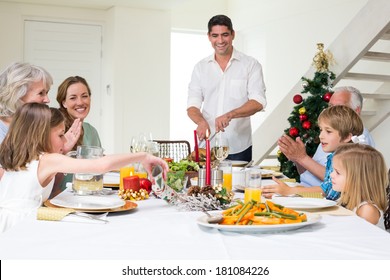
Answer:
(228, 86)
(312, 170)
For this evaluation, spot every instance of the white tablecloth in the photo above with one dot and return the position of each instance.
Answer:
(156, 230)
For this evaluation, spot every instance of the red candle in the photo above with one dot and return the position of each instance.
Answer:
(196, 147)
(132, 183)
(208, 160)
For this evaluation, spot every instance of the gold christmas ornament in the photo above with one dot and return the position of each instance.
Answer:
(322, 59)
(302, 110)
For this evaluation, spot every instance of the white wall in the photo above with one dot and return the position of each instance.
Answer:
(282, 34)
(141, 55)
(136, 47)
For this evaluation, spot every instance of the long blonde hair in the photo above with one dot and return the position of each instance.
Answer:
(27, 138)
(366, 175)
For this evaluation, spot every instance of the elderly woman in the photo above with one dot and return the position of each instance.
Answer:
(25, 83)
(21, 83)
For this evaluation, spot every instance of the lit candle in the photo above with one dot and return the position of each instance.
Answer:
(196, 147)
(208, 160)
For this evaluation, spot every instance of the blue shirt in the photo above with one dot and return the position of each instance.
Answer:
(326, 185)
(3, 131)
(308, 179)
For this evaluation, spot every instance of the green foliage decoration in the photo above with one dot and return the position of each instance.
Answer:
(319, 91)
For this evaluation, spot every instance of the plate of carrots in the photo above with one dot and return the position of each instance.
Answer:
(260, 217)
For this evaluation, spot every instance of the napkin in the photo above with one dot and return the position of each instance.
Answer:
(291, 180)
(63, 214)
(311, 195)
(53, 214)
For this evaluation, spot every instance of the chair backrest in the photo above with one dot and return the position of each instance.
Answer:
(387, 212)
(174, 149)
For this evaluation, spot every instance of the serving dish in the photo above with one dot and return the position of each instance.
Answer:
(311, 219)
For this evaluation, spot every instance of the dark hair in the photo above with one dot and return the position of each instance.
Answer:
(56, 117)
(220, 20)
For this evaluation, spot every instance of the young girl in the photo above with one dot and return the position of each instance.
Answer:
(338, 124)
(29, 159)
(360, 174)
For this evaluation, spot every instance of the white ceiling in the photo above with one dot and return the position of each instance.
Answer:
(105, 4)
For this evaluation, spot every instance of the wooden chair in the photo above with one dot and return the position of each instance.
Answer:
(174, 149)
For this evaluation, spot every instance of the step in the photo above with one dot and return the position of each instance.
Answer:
(367, 113)
(377, 56)
(386, 36)
(381, 96)
(370, 77)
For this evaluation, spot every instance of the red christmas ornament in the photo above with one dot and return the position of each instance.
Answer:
(303, 117)
(297, 99)
(293, 132)
(326, 97)
(306, 124)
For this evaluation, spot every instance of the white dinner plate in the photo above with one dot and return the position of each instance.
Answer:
(267, 173)
(111, 178)
(303, 203)
(238, 163)
(311, 219)
(87, 202)
(265, 182)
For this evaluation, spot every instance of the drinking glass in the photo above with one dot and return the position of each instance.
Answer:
(253, 185)
(140, 143)
(87, 183)
(226, 167)
(221, 148)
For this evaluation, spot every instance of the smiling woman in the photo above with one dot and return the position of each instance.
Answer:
(21, 83)
(74, 98)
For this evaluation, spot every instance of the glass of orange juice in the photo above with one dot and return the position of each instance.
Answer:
(226, 167)
(125, 172)
(253, 185)
(141, 172)
(252, 194)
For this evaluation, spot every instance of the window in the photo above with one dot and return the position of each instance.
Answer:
(186, 50)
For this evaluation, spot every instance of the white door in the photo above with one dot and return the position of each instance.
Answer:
(67, 49)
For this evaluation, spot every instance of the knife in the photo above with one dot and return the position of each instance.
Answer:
(211, 138)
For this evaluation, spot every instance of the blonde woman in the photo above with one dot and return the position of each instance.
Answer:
(360, 175)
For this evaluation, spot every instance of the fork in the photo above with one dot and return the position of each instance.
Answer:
(100, 217)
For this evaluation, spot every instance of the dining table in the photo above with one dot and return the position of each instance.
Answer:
(157, 230)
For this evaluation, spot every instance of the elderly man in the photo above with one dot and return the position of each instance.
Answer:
(312, 170)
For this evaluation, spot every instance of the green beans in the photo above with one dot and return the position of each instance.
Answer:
(244, 210)
(276, 215)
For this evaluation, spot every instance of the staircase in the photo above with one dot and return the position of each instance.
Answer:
(362, 55)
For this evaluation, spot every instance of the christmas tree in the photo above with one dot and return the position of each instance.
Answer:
(303, 118)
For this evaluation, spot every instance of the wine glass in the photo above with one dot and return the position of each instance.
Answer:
(139, 144)
(221, 148)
